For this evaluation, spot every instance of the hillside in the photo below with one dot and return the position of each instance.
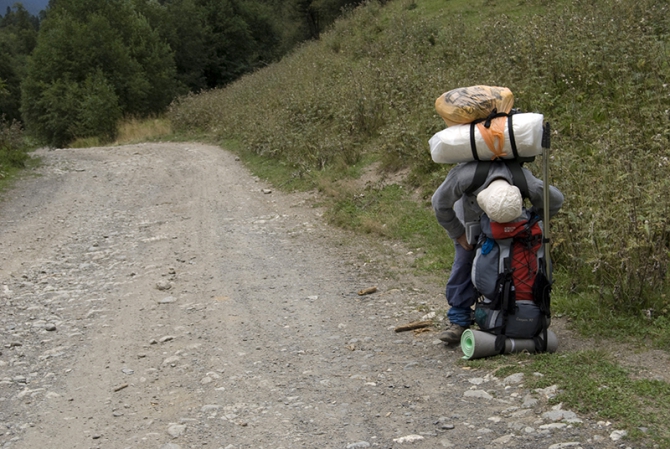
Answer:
(364, 95)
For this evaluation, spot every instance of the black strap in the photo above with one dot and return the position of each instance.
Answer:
(473, 144)
(481, 173)
(518, 177)
(507, 306)
(512, 140)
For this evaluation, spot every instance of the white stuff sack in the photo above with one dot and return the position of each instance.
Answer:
(452, 145)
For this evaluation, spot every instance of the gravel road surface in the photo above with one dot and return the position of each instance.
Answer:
(159, 296)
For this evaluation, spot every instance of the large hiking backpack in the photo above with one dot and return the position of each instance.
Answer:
(509, 271)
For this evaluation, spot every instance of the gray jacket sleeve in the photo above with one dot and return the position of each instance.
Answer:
(452, 189)
(536, 192)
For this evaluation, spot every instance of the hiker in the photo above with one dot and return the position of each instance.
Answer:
(456, 207)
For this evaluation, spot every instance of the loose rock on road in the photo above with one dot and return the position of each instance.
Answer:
(158, 296)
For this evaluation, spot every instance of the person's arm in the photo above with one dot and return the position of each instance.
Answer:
(443, 201)
(536, 193)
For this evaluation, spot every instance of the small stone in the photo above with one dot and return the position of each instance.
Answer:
(163, 285)
(481, 394)
(176, 430)
(553, 426)
(408, 439)
(96, 436)
(505, 439)
(513, 379)
(358, 445)
(529, 401)
(50, 327)
(167, 300)
(618, 434)
(128, 371)
(558, 415)
(172, 361)
(447, 426)
(521, 413)
(549, 392)
(170, 446)
(166, 338)
(209, 408)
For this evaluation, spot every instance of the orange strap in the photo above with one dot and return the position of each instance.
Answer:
(494, 136)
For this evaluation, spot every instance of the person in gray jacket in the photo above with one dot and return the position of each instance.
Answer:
(455, 205)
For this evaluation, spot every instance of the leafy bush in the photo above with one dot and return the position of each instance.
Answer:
(12, 148)
(598, 71)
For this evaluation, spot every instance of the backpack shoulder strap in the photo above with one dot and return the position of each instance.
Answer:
(481, 173)
(518, 177)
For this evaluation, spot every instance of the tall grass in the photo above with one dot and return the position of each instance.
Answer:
(599, 71)
(13, 149)
(132, 130)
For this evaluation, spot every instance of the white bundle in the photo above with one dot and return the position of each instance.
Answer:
(452, 145)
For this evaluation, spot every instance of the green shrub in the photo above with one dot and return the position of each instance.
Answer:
(13, 152)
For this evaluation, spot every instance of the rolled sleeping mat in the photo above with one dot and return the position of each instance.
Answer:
(454, 144)
(478, 344)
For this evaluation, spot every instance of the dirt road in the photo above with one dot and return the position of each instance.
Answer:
(158, 296)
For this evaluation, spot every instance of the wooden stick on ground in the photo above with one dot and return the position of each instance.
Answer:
(413, 325)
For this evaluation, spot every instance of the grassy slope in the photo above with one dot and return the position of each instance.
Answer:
(365, 93)
(363, 96)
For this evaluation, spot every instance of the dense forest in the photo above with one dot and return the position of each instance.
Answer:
(80, 65)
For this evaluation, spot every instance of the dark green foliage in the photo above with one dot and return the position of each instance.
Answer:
(215, 42)
(181, 25)
(87, 48)
(18, 36)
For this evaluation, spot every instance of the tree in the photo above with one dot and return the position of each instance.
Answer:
(307, 19)
(182, 25)
(239, 37)
(94, 61)
(18, 36)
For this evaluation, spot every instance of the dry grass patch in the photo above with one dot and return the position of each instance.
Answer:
(135, 130)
